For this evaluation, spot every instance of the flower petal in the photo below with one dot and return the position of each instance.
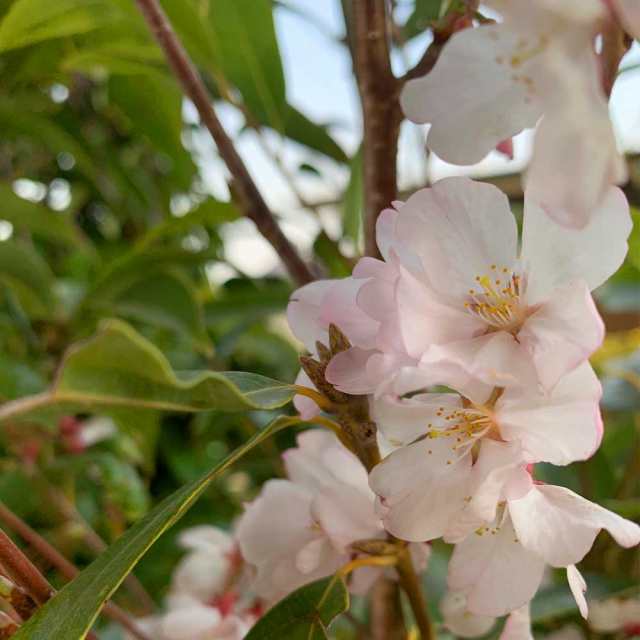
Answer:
(421, 486)
(495, 571)
(554, 256)
(458, 228)
(561, 427)
(560, 525)
(303, 313)
(305, 406)
(562, 333)
(578, 588)
(518, 625)
(461, 622)
(471, 97)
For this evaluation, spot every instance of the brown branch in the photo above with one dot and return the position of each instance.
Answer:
(243, 186)
(64, 566)
(379, 91)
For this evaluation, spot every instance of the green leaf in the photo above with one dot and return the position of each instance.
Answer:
(329, 253)
(353, 200)
(315, 136)
(153, 106)
(54, 226)
(71, 613)
(119, 368)
(248, 56)
(25, 272)
(305, 614)
(31, 21)
(163, 300)
(424, 13)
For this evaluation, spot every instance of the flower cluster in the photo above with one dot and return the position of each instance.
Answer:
(468, 343)
(209, 597)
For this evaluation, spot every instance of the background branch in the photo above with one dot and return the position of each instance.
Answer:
(250, 199)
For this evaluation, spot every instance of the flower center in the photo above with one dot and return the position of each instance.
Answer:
(465, 426)
(495, 299)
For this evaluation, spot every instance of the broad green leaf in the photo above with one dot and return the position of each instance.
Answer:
(153, 106)
(353, 200)
(164, 300)
(31, 21)
(124, 57)
(39, 220)
(305, 614)
(119, 368)
(25, 272)
(71, 613)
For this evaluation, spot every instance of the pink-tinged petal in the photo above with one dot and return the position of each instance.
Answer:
(518, 625)
(421, 486)
(497, 474)
(191, 623)
(339, 307)
(494, 359)
(320, 460)
(305, 406)
(561, 427)
(560, 526)
(628, 12)
(506, 148)
(562, 333)
(309, 557)
(472, 97)
(303, 313)
(495, 571)
(206, 538)
(403, 420)
(578, 588)
(347, 371)
(346, 514)
(554, 256)
(423, 320)
(201, 574)
(575, 156)
(461, 622)
(458, 228)
(385, 228)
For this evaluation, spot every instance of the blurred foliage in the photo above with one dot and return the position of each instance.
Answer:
(105, 213)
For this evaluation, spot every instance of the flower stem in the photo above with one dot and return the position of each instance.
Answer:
(411, 585)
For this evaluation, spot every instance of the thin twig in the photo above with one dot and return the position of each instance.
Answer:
(386, 620)
(250, 199)
(64, 566)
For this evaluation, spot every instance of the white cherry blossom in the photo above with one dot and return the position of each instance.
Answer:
(493, 81)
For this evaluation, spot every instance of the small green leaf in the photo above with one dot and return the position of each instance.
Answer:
(424, 13)
(119, 368)
(71, 613)
(305, 614)
(25, 272)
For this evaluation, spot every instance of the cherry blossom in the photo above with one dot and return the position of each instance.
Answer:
(479, 306)
(301, 529)
(493, 81)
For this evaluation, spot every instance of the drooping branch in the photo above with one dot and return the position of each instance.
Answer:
(381, 114)
(250, 199)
